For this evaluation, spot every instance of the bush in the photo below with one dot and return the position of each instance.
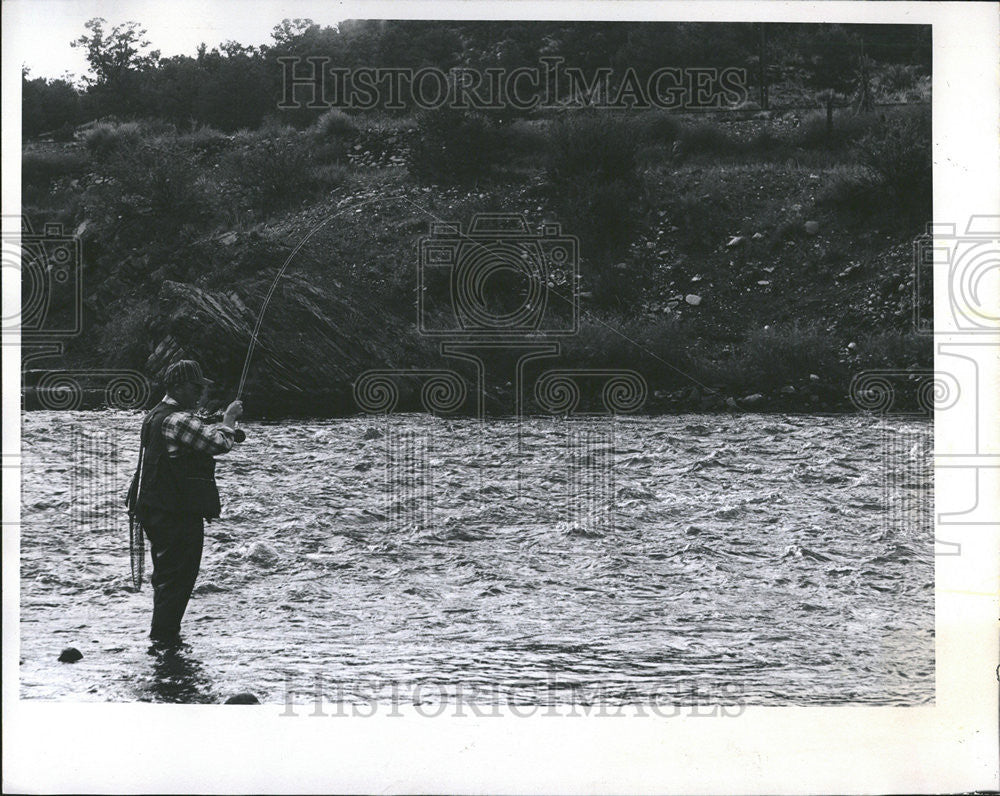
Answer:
(47, 175)
(106, 139)
(898, 154)
(849, 188)
(591, 145)
(524, 138)
(453, 147)
(204, 141)
(702, 212)
(658, 127)
(897, 78)
(894, 349)
(332, 133)
(705, 138)
(385, 123)
(848, 128)
(592, 174)
(152, 190)
(771, 358)
(335, 124)
(40, 168)
(331, 176)
(658, 348)
(269, 171)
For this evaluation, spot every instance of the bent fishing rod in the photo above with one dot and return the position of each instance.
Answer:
(277, 277)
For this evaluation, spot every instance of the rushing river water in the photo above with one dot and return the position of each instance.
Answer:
(758, 559)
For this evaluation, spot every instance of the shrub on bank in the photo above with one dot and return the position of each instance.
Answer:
(40, 168)
(270, 171)
(657, 348)
(898, 154)
(850, 189)
(707, 138)
(106, 139)
(658, 127)
(332, 135)
(771, 358)
(335, 124)
(453, 147)
(894, 349)
(592, 177)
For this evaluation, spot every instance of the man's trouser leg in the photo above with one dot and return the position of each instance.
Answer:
(176, 542)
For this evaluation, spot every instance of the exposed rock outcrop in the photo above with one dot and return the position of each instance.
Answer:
(314, 341)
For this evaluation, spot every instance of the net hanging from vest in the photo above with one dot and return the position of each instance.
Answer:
(136, 533)
(137, 549)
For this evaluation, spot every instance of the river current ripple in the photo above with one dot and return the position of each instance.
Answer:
(762, 559)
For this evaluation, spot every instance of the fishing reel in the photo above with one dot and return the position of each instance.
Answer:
(239, 435)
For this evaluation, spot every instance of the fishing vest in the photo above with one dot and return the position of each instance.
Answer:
(183, 483)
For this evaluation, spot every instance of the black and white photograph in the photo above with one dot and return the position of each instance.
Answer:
(500, 399)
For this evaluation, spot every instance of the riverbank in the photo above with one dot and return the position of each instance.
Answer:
(759, 264)
(907, 392)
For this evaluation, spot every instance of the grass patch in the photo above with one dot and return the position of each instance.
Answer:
(42, 169)
(771, 358)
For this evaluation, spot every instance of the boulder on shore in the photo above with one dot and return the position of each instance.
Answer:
(244, 698)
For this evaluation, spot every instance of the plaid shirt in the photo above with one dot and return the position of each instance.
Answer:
(184, 430)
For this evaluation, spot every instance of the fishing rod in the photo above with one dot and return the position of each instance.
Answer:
(277, 277)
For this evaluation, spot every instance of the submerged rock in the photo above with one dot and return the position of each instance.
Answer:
(70, 655)
(261, 553)
(207, 588)
(372, 433)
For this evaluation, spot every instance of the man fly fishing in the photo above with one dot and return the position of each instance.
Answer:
(174, 491)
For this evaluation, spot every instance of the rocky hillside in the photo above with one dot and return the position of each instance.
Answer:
(763, 268)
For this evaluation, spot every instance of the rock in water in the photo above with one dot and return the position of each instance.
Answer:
(261, 553)
(70, 655)
(246, 698)
(812, 227)
(207, 588)
(372, 433)
(693, 299)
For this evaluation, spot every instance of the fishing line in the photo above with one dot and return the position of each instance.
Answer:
(274, 285)
(339, 211)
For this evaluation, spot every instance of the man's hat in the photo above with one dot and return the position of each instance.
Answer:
(184, 371)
